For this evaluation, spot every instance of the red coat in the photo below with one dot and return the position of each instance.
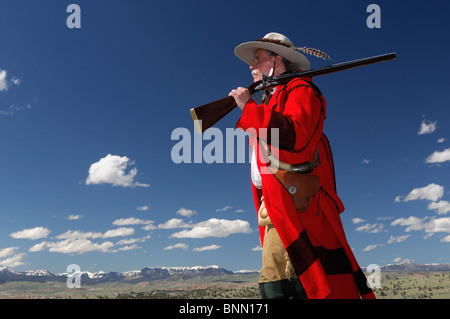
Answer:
(314, 239)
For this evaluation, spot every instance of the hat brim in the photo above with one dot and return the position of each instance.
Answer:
(246, 52)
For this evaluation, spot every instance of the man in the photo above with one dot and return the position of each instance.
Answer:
(305, 251)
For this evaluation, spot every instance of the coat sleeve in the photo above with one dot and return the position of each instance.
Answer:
(297, 119)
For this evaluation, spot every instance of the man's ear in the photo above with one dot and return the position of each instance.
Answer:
(279, 59)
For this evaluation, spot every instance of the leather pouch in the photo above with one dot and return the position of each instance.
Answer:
(301, 187)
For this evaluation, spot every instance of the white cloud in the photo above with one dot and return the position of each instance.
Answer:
(131, 221)
(31, 233)
(365, 161)
(72, 246)
(397, 239)
(431, 192)
(77, 242)
(142, 208)
(132, 240)
(5, 252)
(357, 220)
(119, 232)
(186, 212)
(74, 217)
(442, 207)
(13, 261)
(372, 247)
(77, 234)
(439, 157)
(427, 127)
(174, 223)
(441, 140)
(179, 246)
(204, 248)
(430, 226)
(111, 170)
(371, 228)
(3, 81)
(127, 248)
(223, 209)
(215, 228)
(16, 81)
(14, 108)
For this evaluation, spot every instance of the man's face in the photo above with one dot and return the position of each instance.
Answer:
(262, 62)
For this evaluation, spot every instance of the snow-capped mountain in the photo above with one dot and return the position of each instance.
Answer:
(174, 273)
(146, 274)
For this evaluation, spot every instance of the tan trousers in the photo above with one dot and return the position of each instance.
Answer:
(276, 264)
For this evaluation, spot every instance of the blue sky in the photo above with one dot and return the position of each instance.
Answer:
(87, 116)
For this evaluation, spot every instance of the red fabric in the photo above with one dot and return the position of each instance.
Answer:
(314, 239)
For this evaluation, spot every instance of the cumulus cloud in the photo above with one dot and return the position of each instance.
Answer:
(186, 212)
(179, 246)
(223, 209)
(397, 239)
(11, 258)
(3, 81)
(72, 246)
(431, 192)
(430, 226)
(78, 234)
(439, 157)
(111, 170)
(131, 221)
(174, 223)
(143, 208)
(13, 261)
(204, 248)
(372, 247)
(74, 217)
(5, 252)
(215, 228)
(80, 242)
(31, 233)
(119, 232)
(442, 207)
(371, 228)
(427, 127)
(357, 220)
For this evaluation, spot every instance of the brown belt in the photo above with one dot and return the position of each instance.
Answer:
(295, 178)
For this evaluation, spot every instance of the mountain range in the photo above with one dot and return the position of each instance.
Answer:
(174, 273)
(134, 276)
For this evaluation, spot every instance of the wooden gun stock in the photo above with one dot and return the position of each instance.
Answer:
(209, 114)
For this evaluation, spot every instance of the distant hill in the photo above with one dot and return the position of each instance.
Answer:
(135, 276)
(411, 267)
(174, 273)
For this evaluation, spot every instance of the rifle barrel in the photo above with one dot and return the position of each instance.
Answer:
(211, 113)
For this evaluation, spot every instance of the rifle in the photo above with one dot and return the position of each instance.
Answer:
(207, 115)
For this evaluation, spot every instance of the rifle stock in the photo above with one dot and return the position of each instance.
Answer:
(207, 115)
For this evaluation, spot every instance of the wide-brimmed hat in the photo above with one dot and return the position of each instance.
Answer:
(281, 45)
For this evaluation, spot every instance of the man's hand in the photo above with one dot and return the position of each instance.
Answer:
(241, 96)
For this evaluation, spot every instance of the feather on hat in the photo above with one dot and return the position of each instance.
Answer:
(280, 45)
